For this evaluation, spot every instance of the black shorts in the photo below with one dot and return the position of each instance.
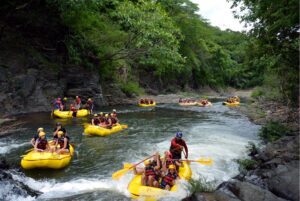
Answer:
(176, 155)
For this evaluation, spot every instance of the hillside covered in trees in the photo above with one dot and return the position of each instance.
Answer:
(162, 45)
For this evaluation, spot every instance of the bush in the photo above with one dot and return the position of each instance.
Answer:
(132, 88)
(251, 149)
(202, 185)
(246, 164)
(272, 131)
(257, 93)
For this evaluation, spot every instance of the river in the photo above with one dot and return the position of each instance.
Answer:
(218, 132)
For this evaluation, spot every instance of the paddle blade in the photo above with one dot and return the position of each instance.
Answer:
(117, 175)
(28, 150)
(127, 165)
(124, 126)
(205, 161)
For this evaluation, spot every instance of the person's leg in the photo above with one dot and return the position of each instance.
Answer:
(150, 180)
(156, 184)
(144, 180)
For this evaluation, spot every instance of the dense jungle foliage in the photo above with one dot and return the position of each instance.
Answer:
(167, 40)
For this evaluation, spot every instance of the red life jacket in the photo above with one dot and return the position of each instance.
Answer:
(90, 103)
(96, 121)
(78, 101)
(42, 144)
(73, 109)
(61, 142)
(169, 178)
(149, 171)
(169, 162)
(113, 120)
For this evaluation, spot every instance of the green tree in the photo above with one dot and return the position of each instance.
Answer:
(276, 26)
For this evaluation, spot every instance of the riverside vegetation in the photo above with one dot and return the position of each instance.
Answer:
(114, 49)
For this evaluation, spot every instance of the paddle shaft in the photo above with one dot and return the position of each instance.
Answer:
(140, 162)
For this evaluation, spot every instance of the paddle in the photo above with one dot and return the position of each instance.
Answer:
(203, 161)
(118, 174)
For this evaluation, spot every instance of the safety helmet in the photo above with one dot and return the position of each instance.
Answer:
(172, 166)
(60, 133)
(147, 162)
(89, 99)
(114, 110)
(101, 113)
(40, 130)
(95, 115)
(111, 114)
(77, 96)
(106, 115)
(65, 98)
(179, 134)
(42, 134)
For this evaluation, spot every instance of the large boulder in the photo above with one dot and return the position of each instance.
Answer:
(237, 190)
(285, 181)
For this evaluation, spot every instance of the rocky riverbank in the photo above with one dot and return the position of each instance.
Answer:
(274, 175)
(16, 188)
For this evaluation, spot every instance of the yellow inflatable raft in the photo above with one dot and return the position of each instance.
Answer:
(206, 105)
(188, 104)
(68, 114)
(231, 104)
(136, 188)
(147, 105)
(98, 130)
(49, 160)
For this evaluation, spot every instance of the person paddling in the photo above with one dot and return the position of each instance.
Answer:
(36, 136)
(57, 104)
(64, 103)
(177, 146)
(58, 127)
(108, 123)
(63, 143)
(41, 143)
(114, 120)
(90, 105)
(150, 176)
(169, 179)
(95, 120)
(77, 103)
(74, 110)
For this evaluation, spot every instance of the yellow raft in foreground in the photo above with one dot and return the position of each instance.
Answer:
(206, 105)
(136, 188)
(147, 105)
(188, 104)
(36, 159)
(68, 114)
(98, 130)
(231, 104)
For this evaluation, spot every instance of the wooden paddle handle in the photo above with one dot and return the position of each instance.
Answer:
(141, 161)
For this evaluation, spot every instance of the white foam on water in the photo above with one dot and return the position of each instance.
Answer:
(7, 147)
(53, 189)
(7, 194)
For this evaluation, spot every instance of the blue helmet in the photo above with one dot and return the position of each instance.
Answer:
(179, 134)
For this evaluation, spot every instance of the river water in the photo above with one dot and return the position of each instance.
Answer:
(218, 132)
